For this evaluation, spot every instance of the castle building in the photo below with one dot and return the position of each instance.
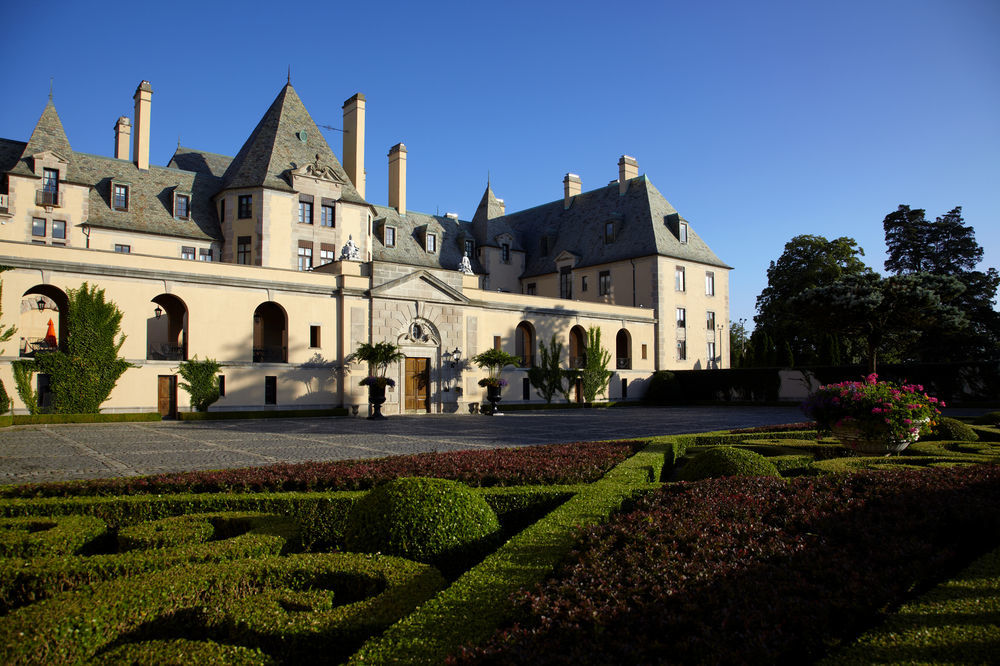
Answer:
(276, 263)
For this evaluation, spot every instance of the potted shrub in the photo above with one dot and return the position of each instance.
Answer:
(379, 357)
(873, 417)
(494, 361)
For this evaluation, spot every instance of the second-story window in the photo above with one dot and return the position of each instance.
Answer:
(566, 282)
(679, 282)
(681, 318)
(710, 320)
(584, 283)
(244, 208)
(305, 212)
(243, 250)
(470, 247)
(604, 283)
(38, 225)
(187, 252)
(505, 253)
(305, 256)
(119, 197)
(50, 188)
(58, 231)
(531, 289)
(709, 283)
(123, 249)
(326, 216)
(205, 254)
(182, 206)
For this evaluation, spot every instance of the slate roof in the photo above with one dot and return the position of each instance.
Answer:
(275, 148)
(47, 135)
(200, 161)
(10, 153)
(489, 222)
(642, 218)
(409, 248)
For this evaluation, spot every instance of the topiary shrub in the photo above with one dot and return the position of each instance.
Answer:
(990, 418)
(952, 430)
(422, 519)
(721, 461)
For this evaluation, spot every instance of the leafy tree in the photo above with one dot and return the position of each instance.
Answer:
(875, 310)
(807, 262)
(83, 376)
(5, 335)
(739, 342)
(947, 246)
(495, 360)
(595, 373)
(547, 377)
(24, 369)
(201, 381)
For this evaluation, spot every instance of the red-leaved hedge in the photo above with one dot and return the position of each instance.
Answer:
(581, 462)
(751, 570)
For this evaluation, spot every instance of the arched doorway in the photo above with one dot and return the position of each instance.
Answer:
(623, 347)
(270, 333)
(577, 347)
(40, 305)
(524, 344)
(167, 329)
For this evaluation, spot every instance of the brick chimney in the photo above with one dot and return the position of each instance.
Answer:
(143, 102)
(123, 136)
(628, 169)
(571, 187)
(354, 141)
(397, 178)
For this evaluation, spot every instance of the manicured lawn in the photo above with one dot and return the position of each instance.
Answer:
(602, 558)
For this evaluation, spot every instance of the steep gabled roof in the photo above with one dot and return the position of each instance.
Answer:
(409, 248)
(48, 135)
(489, 221)
(641, 218)
(200, 161)
(285, 139)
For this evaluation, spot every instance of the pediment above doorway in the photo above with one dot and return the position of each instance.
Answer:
(422, 286)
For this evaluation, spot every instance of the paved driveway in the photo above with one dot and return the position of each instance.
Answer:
(63, 452)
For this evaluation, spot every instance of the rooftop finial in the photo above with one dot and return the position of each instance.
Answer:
(289, 75)
(51, 83)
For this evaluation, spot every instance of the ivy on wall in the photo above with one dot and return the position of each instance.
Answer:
(201, 381)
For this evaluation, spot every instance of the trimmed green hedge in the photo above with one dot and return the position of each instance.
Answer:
(299, 606)
(720, 461)
(262, 414)
(36, 537)
(49, 419)
(472, 607)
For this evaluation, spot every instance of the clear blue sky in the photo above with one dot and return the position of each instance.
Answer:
(758, 121)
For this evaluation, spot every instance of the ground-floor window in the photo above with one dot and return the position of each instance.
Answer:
(270, 390)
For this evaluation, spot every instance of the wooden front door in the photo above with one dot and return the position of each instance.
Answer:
(418, 384)
(166, 396)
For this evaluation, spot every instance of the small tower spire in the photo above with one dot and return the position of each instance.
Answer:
(51, 84)
(289, 75)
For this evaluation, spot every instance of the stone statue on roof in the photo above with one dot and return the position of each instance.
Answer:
(319, 170)
(465, 266)
(350, 251)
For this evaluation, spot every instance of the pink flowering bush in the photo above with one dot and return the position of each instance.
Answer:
(877, 408)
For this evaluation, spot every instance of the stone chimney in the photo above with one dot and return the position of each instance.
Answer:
(571, 188)
(397, 178)
(143, 103)
(123, 136)
(628, 169)
(354, 141)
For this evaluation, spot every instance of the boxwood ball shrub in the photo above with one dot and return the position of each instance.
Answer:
(952, 430)
(422, 519)
(720, 461)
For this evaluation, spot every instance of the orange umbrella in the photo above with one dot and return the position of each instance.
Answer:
(50, 337)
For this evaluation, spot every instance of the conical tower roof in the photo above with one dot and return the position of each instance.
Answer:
(49, 135)
(285, 139)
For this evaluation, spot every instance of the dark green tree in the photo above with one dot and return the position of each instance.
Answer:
(201, 381)
(547, 377)
(5, 335)
(808, 262)
(82, 377)
(877, 311)
(739, 342)
(595, 373)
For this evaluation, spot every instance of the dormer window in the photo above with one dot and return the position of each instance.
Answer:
(505, 253)
(431, 243)
(609, 232)
(49, 194)
(544, 245)
(390, 236)
(682, 233)
(119, 196)
(470, 247)
(182, 206)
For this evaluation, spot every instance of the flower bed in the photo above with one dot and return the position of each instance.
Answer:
(535, 465)
(751, 570)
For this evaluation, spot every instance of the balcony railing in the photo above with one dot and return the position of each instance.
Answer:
(578, 362)
(31, 346)
(270, 354)
(527, 360)
(47, 198)
(624, 363)
(165, 352)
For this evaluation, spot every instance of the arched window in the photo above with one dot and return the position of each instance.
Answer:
(42, 322)
(167, 329)
(270, 334)
(623, 345)
(524, 344)
(577, 347)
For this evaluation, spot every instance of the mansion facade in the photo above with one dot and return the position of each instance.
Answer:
(275, 263)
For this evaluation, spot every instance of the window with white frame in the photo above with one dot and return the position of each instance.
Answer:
(326, 216)
(470, 247)
(182, 206)
(390, 236)
(681, 318)
(679, 281)
(432, 242)
(205, 254)
(305, 212)
(305, 257)
(709, 283)
(710, 320)
(38, 227)
(119, 196)
(326, 254)
(123, 249)
(710, 350)
(58, 232)
(187, 252)
(682, 352)
(682, 232)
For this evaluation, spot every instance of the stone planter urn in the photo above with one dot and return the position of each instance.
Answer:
(376, 396)
(870, 439)
(493, 395)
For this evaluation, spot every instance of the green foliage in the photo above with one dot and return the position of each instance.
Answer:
(24, 370)
(84, 375)
(378, 356)
(201, 381)
(990, 418)
(5, 401)
(495, 360)
(547, 377)
(423, 519)
(595, 374)
(182, 651)
(5, 333)
(722, 461)
(29, 537)
(953, 430)
(48, 419)
(268, 414)
(739, 345)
